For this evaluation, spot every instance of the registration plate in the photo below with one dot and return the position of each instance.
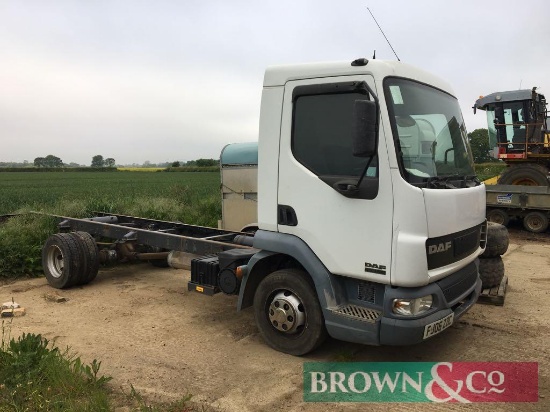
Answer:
(438, 326)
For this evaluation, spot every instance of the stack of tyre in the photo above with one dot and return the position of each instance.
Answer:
(491, 266)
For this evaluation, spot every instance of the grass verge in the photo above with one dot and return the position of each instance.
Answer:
(485, 171)
(36, 376)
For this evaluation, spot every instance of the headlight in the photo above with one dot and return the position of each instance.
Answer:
(410, 307)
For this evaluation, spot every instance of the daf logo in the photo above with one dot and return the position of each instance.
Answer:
(441, 247)
(375, 268)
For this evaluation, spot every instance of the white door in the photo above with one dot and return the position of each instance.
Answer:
(351, 235)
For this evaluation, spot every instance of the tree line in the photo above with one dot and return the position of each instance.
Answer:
(54, 161)
(51, 161)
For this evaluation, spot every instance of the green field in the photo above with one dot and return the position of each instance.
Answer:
(189, 197)
(192, 198)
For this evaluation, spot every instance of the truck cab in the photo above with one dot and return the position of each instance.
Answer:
(367, 191)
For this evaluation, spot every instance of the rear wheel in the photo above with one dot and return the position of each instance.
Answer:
(535, 222)
(90, 256)
(61, 261)
(288, 313)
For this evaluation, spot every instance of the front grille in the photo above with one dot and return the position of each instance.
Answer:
(455, 285)
(358, 312)
(466, 244)
(444, 250)
(365, 291)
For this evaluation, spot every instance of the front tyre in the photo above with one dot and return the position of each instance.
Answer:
(288, 314)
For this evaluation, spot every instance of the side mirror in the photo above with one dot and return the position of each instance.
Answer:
(365, 120)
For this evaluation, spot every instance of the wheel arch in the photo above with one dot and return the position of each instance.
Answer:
(281, 251)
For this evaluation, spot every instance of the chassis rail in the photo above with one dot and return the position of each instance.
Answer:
(178, 236)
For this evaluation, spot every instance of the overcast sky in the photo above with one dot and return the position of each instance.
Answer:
(177, 80)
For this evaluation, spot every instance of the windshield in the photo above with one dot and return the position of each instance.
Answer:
(429, 133)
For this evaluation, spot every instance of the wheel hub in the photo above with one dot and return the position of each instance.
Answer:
(55, 261)
(286, 312)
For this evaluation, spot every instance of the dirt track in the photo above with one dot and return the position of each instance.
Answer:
(148, 330)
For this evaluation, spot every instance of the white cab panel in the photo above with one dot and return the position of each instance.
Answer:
(453, 210)
(268, 157)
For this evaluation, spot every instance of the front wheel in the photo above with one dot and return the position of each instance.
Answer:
(288, 314)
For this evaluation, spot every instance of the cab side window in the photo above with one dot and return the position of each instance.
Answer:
(322, 134)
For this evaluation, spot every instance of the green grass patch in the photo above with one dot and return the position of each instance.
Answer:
(35, 376)
(192, 198)
(485, 171)
(21, 240)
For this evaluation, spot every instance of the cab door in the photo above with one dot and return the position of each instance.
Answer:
(350, 232)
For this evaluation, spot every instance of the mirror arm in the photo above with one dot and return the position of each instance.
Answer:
(364, 172)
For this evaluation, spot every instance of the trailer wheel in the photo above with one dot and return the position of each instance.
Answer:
(498, 216)
(288, 313)
(90, 256)
(491, 272)
(535, 222)
(62, 261)
(497, 240)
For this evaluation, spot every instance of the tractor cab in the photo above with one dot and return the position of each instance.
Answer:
(518, 125)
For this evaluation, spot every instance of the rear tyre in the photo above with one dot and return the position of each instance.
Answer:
(535, 222)
(527, 174)
(491, 272)
(497, 240)
(90, 256)
(288, 313)
(62, 261)
(498, 216)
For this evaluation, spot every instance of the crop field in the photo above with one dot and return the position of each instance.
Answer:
(155, 195)
(192, 198)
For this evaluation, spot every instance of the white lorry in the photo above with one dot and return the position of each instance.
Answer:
(370, 218)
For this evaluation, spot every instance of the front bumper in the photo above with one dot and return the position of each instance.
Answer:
(372, 322)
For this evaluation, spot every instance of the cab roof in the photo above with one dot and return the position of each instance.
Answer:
(379, 69)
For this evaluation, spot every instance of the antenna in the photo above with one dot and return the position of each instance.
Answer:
(382, 31)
